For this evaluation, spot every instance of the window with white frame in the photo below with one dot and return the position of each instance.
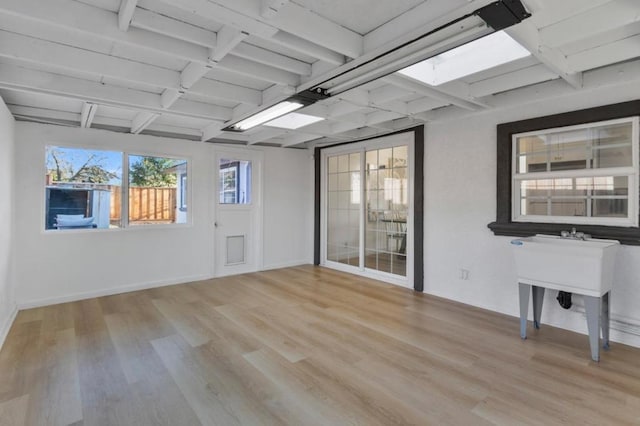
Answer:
(93, 189)
(584, 174)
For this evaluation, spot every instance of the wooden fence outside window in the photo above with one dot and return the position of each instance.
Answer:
(146, 205)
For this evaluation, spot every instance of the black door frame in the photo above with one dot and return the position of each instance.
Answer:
(418, 202)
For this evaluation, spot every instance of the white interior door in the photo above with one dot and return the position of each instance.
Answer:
(238, 211)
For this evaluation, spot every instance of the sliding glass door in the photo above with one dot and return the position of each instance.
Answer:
(387, 198)
(367, 213)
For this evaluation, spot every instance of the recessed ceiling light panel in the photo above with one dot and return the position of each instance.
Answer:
(293, 120)
(479, 55)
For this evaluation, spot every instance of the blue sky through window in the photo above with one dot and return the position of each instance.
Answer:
(71, 160)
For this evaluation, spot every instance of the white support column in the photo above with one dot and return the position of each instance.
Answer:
(125, 14)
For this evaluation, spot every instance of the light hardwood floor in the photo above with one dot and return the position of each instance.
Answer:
(302, 346)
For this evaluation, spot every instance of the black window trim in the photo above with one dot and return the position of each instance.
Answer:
(504, 225)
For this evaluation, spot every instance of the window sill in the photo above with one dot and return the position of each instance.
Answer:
(628, 236)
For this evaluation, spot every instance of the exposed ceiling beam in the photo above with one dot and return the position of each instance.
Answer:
(543, 16)
(275, 60)
(221, 13)
(169, 97)
(306, 24)
(387, 93)
(228, 39)
(88, 112)
(98, 22)
(298, 138)
(142, 121)
(160, 24)
(27, 80)
(270, 8)
(258, 71)
(291, 18)
(23, 111)
(211, 131)
(230, 92)
(419, 88)
(528, 36)
(424, 104)
(16, 46)
(619, 51)
(256, 27)
(192, 73)
(522, 77)
(308, 48)
(417, 21)
(125, 13)
(594, 21)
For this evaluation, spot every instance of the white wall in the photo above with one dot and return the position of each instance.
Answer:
(58, 266)
(460, 200)
(288, 207)
(7, 299)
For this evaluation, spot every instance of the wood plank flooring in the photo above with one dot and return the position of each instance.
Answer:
(302, 346)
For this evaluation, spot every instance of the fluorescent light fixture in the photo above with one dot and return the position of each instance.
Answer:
(293, 120)
(297, 101)
(493, 17)
(479, 55)
(268, 114)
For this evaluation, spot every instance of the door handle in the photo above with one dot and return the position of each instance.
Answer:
(215, 224)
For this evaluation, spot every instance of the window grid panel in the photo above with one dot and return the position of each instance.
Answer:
(580, 167)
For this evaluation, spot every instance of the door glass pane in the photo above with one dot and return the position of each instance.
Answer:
(234, 182)
(343, 209)
(387, 207)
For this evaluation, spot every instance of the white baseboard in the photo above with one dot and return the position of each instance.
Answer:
(36, 303)
(623, 329)
(4, 328)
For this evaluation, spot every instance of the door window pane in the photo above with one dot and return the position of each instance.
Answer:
(387, 207)
(343, 209)
(234, 182)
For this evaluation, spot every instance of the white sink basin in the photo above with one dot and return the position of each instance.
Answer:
(577, 266)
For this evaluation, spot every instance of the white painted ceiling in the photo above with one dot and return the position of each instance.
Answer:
(186, 68)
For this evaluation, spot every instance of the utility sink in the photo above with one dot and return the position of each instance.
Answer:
(581, 266)
(576, 266)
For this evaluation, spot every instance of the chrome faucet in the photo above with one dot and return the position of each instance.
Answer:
(574, 235)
